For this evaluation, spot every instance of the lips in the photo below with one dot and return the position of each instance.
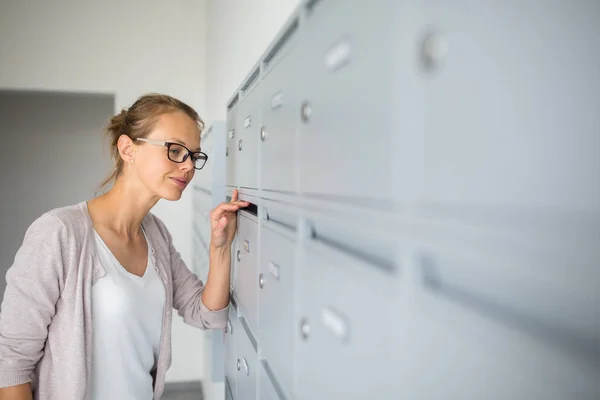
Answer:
(181, 182)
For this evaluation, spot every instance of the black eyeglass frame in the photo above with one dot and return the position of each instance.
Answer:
(168, 146)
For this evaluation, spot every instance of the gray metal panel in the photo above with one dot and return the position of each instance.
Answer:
(219, 175)
(231, 153)
(202, 199)
(486, 307)
(208, 191)
(346, 352)
(276, 300)
(233, 331)
(474, 113)
(228, 392)
(234, 263)
(345, 143)
(218, 151)
(267, 390)
(247, 267)
(204, 177)
(561, 308)
(247, 376)
(200, 257)
(509, 111)
(280, 108)
(249, 134)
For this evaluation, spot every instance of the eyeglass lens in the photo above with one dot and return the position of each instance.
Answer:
(178, 154)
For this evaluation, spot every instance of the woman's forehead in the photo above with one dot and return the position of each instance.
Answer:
(179, 128)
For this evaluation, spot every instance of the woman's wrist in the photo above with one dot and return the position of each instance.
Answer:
(220, 255)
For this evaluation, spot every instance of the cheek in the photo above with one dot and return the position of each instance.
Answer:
(155, 170)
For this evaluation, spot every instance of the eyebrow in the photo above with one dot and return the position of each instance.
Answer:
(182, 143)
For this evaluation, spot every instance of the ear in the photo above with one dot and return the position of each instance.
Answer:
(126, 148)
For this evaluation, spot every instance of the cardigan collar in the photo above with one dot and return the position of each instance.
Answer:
(98, 270)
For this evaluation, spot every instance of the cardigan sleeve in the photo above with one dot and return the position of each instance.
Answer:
(33, 286)
(187, 293)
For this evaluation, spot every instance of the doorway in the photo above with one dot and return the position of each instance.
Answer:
(53, 154)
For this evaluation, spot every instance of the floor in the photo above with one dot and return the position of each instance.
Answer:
(183, 391)
(183, 395)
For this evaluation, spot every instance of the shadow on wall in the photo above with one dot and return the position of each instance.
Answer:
(53, 154)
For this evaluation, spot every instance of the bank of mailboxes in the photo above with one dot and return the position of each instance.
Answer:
(425, 189)
(207, 192)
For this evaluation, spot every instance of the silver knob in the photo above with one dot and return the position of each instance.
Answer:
(232, 134)
(226, 151)
(239, 364)
(239, 255)
(240, 145)
(263, 134)
(304, 328)
(261, 281)
(245, 364)
(433, 50)
(305, 112)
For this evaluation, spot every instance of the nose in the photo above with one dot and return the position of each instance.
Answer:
(187, 165)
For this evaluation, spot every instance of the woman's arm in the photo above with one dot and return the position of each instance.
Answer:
(33, 286)
(223, 227)
(205, 306)
(19, 392)
(216, 292)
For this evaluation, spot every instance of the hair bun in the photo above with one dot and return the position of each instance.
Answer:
(115, 126)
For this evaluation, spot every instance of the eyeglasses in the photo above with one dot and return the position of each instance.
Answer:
(178, 153)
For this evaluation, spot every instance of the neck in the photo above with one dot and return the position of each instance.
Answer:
(122, 209)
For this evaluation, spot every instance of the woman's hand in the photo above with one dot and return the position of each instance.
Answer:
(223, 221)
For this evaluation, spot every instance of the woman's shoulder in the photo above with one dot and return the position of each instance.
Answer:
(71, 219)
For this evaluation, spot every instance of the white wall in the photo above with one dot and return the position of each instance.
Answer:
(238, 32)
(127, 48)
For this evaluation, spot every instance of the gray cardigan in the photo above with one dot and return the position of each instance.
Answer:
(45, 319)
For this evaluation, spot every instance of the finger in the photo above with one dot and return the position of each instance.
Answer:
(232, 206)
(220, 228)
(234, 196)
(225, 207)
(218, 213)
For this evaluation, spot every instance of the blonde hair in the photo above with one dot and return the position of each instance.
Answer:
(138, 121)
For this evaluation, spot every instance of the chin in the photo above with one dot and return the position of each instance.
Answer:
(170, 195)
(173, 196)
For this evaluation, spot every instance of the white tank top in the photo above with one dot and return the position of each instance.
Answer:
(127, 313)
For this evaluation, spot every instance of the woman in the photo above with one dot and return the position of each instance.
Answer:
(87, 308)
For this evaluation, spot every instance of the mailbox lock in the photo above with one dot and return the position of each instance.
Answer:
(304, 328)
(263, 134)
(305, 111)
(245, 364)
(434, 49)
